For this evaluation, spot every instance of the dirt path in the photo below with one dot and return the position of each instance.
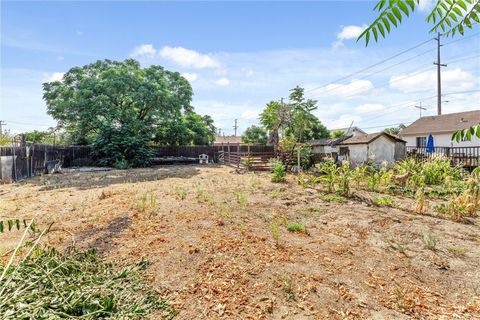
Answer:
(211, 236)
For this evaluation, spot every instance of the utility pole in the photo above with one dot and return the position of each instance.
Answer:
(235, 127)
(420, 108)
(2, 123)
(439, 77)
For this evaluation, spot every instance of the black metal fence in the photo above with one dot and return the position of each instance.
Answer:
(468, 157)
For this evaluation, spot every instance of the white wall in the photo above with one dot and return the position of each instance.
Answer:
(379, 150)
(358, 154)
(382, 149)
(442, 140)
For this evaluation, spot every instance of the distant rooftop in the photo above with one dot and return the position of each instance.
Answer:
(227, 140)
(367, 138)
(350, 130)
(445, 123)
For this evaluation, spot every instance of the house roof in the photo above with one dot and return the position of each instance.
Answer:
(227, 139)
(320, 142)
(349, 130)
(328, 141)
(367, 138)
(446, 123)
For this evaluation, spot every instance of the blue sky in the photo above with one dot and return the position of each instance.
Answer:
(238, 56)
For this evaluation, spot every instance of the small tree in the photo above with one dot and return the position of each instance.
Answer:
(294, 118)
(395, 130)
(5, 139)
(255, 135)
(338, 134)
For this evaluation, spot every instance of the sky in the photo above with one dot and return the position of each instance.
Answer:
(238, 56)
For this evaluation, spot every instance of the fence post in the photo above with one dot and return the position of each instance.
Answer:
(298, 159)
(228, 147)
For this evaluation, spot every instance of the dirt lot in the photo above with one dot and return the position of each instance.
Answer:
(219, 246)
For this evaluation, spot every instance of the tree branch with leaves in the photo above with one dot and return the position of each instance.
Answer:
(448, 16)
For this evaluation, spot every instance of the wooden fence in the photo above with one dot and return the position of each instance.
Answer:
(246, 160)
(468, 157)
(21, 162)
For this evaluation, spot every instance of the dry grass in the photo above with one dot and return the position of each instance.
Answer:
(219, 244)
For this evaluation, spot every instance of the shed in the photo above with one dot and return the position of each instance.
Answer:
(377, 147)
(326, 147)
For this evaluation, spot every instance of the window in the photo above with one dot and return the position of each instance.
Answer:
(421, 142)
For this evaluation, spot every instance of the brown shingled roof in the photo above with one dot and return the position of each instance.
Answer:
(447, 123)
(367, 138)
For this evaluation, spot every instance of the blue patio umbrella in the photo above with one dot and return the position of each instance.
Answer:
(430, 145)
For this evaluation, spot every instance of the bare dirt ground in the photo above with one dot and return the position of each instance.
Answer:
(214, 251)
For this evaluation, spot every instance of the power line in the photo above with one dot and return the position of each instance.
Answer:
(462, 39)
(410, 73)
(381, 70)
(30, 124)
(409, 104)
(371, 66)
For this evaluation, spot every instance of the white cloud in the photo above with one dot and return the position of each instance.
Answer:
(455, 79)
(349, 90)
(344, 121)
(348, 33)
(369, 107)
(60, 58)
(55, 76)
(188, 58)
(248, 72)
(250, 114)
(222, 82)
(190, 76)
(144, 51)
(426, 5)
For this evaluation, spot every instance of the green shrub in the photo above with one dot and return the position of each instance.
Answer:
(278, 169)
(331, 197)
(305, 157)
(383, 201)
(329, 171)
(295, 227)
(122, 147)
(248, 163)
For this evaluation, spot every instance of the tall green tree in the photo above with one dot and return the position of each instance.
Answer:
(255, 135)
(190, 129)
(118, 107)
(448, 16)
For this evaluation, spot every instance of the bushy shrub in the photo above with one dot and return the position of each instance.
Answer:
(278, 169)
(305, 157)
(435, 171)
(122, 148)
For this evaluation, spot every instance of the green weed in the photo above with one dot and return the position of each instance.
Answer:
(383, 201)
(331, 197)
(457, 250)
(295, 227)
(279, 171)
(430, 241)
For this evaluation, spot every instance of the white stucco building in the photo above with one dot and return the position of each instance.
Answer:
(376, 147)
(441, 128)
